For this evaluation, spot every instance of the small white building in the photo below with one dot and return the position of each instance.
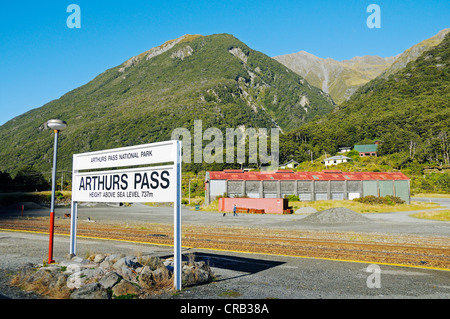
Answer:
(334, 160)
(290, 164)
(344, 149)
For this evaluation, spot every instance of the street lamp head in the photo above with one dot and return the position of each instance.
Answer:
(56, 125)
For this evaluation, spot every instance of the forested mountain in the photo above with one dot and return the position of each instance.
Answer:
(216, 79)
(408, 111)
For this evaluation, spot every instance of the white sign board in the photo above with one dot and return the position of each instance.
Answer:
(94, 180)
(140, 185)
(127, 156)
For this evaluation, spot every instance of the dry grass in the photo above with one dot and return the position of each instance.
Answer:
(353, 205)
(431, 195)
(162, 284)
(46, 193)
(364, 208)
(212, 207)
(41, 286)
(442, 215)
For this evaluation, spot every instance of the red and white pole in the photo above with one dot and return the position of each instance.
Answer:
(56, 125)
(52, 205)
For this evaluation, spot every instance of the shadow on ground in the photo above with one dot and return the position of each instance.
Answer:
(243, 265)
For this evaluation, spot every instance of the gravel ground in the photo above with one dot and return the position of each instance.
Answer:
(338, 215)
(243, 276)
(252, 276)
(395, 223)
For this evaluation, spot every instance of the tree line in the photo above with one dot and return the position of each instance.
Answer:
(26, 179)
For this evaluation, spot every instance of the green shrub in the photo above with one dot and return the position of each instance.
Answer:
(292, 198)
(374, 200)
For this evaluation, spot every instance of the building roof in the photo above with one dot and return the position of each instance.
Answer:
(291, 161)
(337, 157)
(366, 148)
(326, 175)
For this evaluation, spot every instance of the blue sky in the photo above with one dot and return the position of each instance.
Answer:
(42, 59)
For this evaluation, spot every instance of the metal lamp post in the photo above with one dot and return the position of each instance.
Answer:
(56, 126)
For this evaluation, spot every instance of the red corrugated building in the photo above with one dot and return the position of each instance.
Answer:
(330, 184)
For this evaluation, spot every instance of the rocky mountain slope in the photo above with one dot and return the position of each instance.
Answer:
(415, 51)
(338, 78)
(342, 78)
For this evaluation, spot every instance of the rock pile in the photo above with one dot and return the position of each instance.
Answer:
(106, 276)
(336, 215)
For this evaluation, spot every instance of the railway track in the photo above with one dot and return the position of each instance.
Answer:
(377, 248)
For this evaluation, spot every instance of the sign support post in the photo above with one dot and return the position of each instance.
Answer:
(177, 220)
(141, 183)
(73, 229)
(73, 222)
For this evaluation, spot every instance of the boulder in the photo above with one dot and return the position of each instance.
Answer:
(77, 259)
(124, 288)
(92, 273)
(72, 268)
(78, 278)
(194, 275)
(101, 274)
(106, 264)
(75, 280)
(202, 265)
(188, 274)
(113, 258)
(161, 274)
(202, 276)
(152, 262)
(59, 282)
(132, 262)
(90, 291)
(109, 280)
(119, 263)
(146, 279)
(99, 258)
(127, 273)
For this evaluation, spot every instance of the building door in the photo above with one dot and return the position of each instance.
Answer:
(370, 188)
(386, 188)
